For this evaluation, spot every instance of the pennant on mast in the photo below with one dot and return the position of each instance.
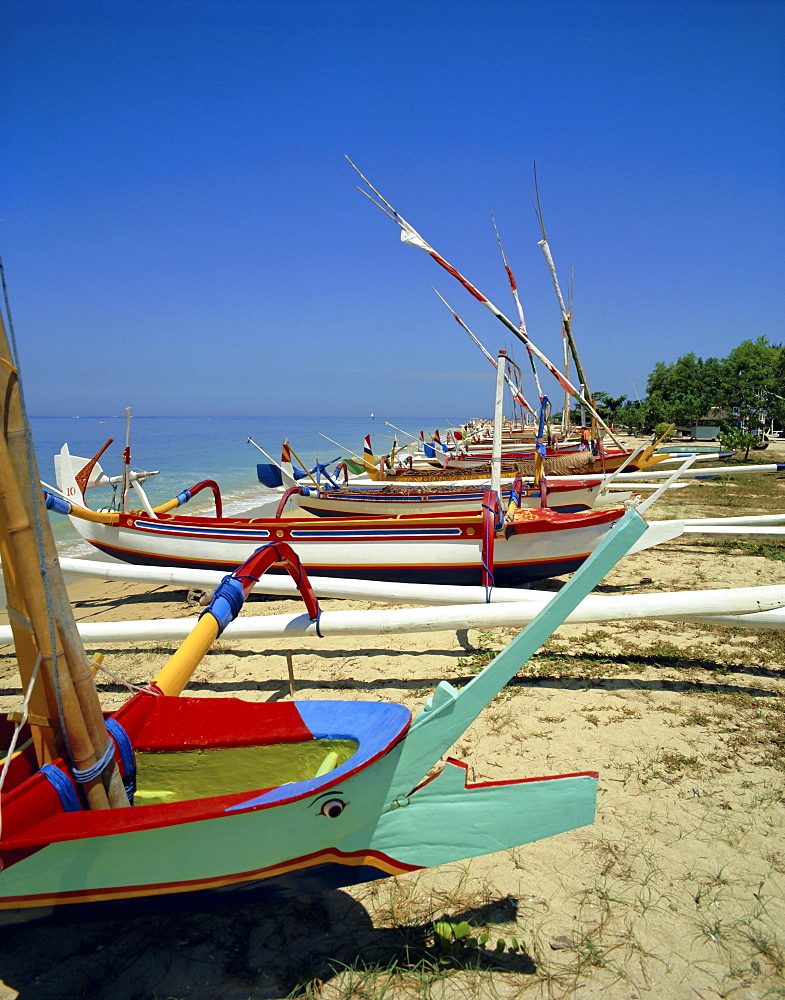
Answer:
(415, 239)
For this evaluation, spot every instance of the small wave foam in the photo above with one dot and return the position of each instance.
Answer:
(75, 549)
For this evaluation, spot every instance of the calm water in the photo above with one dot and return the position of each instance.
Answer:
(187, 450)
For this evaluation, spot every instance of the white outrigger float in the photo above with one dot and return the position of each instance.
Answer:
(449, 607)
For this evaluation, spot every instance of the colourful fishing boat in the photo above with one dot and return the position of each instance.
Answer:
(183, 802)
(390, 499)
(489, 546)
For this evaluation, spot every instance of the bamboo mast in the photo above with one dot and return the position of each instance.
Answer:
(565, 315)
(522, 323)
(519, 307)
(410, 235)
(64, 704)
(566, 357)
(498, 417)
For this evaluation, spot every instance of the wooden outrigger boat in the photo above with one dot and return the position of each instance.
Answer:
(183, 802)
(577, 462)
(486, 547)
(391, 498)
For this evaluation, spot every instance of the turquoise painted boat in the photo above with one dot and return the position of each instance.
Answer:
(245, 801)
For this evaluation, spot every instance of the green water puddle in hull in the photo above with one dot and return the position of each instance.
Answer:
(177, 776)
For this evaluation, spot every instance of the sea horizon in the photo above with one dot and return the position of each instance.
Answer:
(187, 449)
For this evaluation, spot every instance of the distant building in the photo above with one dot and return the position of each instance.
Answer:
(706, 428)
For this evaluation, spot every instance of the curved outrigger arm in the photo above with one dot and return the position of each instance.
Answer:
(62, 506)
(224, 607)
(73, 484)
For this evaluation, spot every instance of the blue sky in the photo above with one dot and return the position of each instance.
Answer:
(181, 232)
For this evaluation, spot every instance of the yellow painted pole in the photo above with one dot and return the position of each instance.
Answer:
(180, 668)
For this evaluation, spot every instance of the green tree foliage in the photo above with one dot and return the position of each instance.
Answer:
(682, 392)
(745, 391)
(607, 406)
(754, 386)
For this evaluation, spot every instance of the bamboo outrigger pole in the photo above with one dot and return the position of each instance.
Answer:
(410, 235)
(65, 712)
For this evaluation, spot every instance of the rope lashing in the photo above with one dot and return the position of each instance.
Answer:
(127, 755)
(63, 786)
(94, 771)
(227, 601)
(56, 504)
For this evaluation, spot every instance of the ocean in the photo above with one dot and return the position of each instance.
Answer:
(186, 450)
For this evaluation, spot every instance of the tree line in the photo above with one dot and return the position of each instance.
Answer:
(743, 393)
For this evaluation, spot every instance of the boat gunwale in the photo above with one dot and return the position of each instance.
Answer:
(88, 824)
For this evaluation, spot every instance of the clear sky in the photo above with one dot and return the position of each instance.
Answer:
(181, 233)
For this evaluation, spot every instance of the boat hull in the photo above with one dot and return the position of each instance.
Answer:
(344, 827)
(436, 550)
(373, 502)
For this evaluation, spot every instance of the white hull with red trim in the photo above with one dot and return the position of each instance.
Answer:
(425, 549)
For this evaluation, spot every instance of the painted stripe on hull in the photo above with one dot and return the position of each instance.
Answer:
(459, 573)
(254, 536)
(330, 869)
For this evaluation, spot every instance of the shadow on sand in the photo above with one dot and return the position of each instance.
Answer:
(259, 952)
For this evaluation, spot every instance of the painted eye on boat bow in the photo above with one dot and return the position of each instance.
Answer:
(332, 808)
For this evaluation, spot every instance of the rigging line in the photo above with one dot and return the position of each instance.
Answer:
(116, 677)
(516, 390)
(18, 729)
(39, 535)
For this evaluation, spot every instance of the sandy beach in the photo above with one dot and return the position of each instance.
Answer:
(677, 891)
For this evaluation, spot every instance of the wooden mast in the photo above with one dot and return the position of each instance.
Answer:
(410, 235)
(498, 417)
(65, 712)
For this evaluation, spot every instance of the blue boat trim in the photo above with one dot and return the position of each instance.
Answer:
(378, 533)
(169, 528)
(375, 726)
